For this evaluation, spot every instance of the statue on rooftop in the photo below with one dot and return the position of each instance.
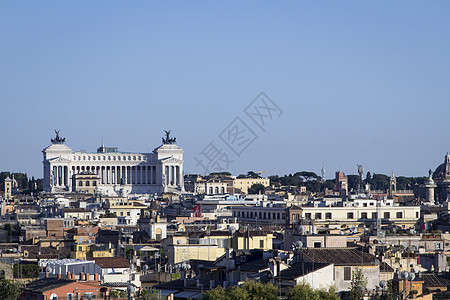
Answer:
(168, 139)
(58, 139)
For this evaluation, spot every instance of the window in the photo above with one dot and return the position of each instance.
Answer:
(374, 215)
(364, 215)
(94, 183)
(80, 183)
(387, 215)
(417, 214)
(318, 216)
(371, 204)
(317, 244)
(365, 204)
(121, 213)
(308, 215)
(87, 183)
(128, 213)
(261, 244)
(347, 273)
(70, 296)
(399, 215)
(438, 246)
(328, 215)
(350, 215)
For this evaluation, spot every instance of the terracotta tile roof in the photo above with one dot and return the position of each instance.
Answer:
(111, 262)
(47, 284)
(301, 269)
(339, 256)
(433, 280)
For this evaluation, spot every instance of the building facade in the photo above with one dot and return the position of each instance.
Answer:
(119, 173)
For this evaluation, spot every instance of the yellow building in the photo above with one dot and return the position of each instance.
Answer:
(86, 182)
(245, 183)
(210, 247)
(178, 253)
(252, 240)
(85, 251)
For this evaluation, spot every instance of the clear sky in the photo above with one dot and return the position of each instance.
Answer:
(357, 82)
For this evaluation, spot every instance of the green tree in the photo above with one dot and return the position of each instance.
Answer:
(256, 189)
(251, 174)
(220, 174)
(9, 290)
(148, 295)
(391, 291)
(358, 285)
(305, 292)
(26, 270)
(249, 290)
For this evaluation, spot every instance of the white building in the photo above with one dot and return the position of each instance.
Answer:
(120, 173)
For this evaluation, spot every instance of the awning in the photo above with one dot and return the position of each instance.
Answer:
(187, 294)
(167, 292)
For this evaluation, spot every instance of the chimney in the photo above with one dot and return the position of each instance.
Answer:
(59, 276)
(46, 274)
(96, 277)
(87, 277)
(68, 275)
(73, 277)
(81, 276)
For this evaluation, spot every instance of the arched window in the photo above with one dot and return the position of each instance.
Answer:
(217, 190)
(222, 190)
(210, 190)
(94, 183)
(80, 183)
(87, 183)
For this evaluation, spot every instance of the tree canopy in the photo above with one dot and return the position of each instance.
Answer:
(249, 290)
(305, 292)
(9, 290)
(256, 189)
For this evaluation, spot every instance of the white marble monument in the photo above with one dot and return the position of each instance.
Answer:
(120, 173)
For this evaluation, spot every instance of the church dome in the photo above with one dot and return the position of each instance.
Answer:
(440, 171)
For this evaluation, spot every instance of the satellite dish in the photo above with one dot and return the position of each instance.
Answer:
(383, 284)
(232, 229)
(341, 232)
(298, 244)
(178, 242)
(131, 288)
(49, 269)
(411, 276)
(404, 274)
(301, 229)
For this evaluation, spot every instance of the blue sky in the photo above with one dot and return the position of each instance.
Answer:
(358, 82)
